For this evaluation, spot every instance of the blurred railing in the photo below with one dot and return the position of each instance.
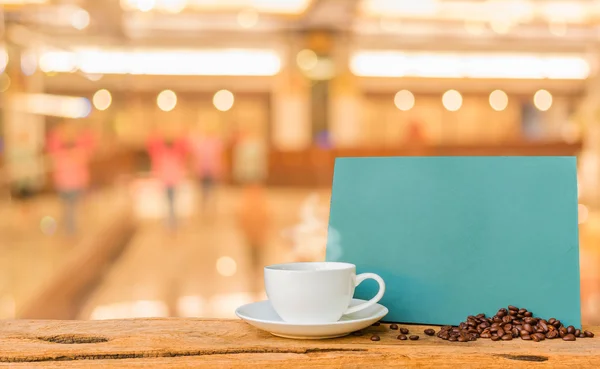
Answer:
(314, 166)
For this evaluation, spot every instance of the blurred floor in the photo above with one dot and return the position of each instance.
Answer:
(202, 270)
(35, 245)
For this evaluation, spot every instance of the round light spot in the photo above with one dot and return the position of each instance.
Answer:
(307, 59)
(83, 108)
(498, 100)
(247, 18)
(226, 266)
(4, 82)
(48, 225)
(404, 100)
(223, 100)
(174, 6)
(542, 100)
(102, 99)
(583, 213)
(28, 63)
(145, 5)
(166, 100)
(80, 19)
(501, 26)
(94, 77)
(452, 100)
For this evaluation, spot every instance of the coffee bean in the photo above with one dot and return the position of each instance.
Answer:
(524, 333)
(357, 333)
(528, 314)
(552, 334)
(551, 321)
(513, 313)
(414, 338)
(495, 338)
(377, 324)
(527, 327)
(375, 338)
(515, 332)
(570, 329)
(394, 326)
(507, 319)
(588, 334)
(494, 329)
(510, 307)
(429, 332)
(462, 339)
(500, 314)
(535, 338)
(402, 337)
(569, 337)
(577, 332)
(522, 311)
(500, 332)
(543, 325)
(526, 337)
(557, 323)
(540, 336)
(517, 321)
(403, 330)
(581, 335)
(485, 335)
(453, 338)
(507, 337)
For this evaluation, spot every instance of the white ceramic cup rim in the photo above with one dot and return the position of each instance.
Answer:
(311, 267)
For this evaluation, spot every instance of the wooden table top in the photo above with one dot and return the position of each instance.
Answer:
(179, 343)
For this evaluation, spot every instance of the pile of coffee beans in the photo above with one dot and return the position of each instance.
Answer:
(508, 324)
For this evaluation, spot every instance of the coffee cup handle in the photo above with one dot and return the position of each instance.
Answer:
(359, 279)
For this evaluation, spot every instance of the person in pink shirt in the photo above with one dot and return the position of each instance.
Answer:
(207, 151)
(168, 157)
(70, 151)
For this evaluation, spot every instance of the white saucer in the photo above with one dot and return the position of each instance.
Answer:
(262, 316)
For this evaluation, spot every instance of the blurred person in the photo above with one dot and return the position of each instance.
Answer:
(206, 147)
(250, 170)
(70, 149)
(24, 169)
(168, 154)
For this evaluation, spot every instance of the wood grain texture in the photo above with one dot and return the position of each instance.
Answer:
(181, 343)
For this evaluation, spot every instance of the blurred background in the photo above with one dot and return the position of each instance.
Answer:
(155, 154)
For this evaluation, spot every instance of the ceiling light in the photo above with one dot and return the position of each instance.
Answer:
(54, 105)
(404, 100)
(166, 100)
(223, 100)
(542, 100)
(498, 100)
(452, 100)
(102, 100)
(80, 19)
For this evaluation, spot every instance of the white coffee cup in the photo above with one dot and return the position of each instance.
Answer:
(319, 292)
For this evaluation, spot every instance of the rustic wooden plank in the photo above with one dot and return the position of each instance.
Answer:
(177, 343)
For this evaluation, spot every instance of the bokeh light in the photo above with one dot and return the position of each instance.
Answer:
(223, 100)
(404, 100)
(247, 18)
(452, 100)
(190, 306)
(542, 100)
(174, 6)
(166, 100)
(102, 99)
(145, 5)
(498, 100)
(475, 28)
(226, 266)
(80, 19)
(48, 225)
(4, 82)
(28, 62)
(307, 59)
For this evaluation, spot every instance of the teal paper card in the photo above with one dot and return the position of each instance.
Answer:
(457, 236)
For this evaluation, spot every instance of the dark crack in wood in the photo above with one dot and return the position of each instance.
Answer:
(71, 339)
(535, 358)
(159, 354)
